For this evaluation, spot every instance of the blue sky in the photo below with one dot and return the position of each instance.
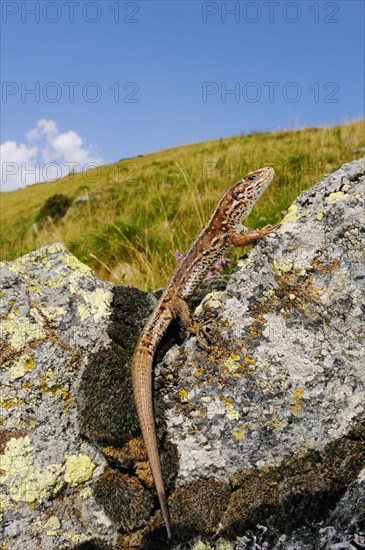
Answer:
(114, 79)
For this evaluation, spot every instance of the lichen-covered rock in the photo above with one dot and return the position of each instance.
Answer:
(54, 315)
(262, 437)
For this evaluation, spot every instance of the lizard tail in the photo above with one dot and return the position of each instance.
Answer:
(142, 386)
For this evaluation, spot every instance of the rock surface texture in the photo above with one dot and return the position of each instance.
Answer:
(262, 436)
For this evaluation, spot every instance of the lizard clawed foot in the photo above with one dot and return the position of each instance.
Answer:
(269, 228)
(196, 329)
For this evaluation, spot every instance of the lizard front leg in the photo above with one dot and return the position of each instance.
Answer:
(250, 236)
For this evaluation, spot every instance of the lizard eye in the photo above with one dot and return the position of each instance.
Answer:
(251, 178)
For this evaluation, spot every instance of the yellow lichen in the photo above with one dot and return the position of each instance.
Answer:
(238, 433)
(11, 402)
(226, 401)
(54, 387)
(233, 364)
(231, 413)
(319, 216)
(272, 423)
(29, 363)
(298, 401)
(79, 468)
(183, 395)
(193, 430)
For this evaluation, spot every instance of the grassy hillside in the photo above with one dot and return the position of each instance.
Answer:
(142, 210)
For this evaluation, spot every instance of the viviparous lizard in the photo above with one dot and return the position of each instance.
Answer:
(211, 243)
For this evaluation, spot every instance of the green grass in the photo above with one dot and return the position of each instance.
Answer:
(144, 209)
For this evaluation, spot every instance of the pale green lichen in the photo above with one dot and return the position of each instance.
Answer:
(79, 468)
(303, 270)
(85, 493)
(52, 526)
(334, 197)
(53, 312)
(17, 370)
(202, 546)
(4, 503)
(74, 264)
(319, 216)
(291, 215)
(282, 268)
(211, 300)
(221, 546)
(40, 257)
(73, 537)
(244, 262)
(224, 546)
(25, 479)
(22, 330)
(232, 362)
(233, 414)
(96, 304)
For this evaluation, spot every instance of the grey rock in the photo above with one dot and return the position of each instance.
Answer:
(83, 198)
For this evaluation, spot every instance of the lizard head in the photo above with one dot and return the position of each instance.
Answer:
(252, 185)
(243, 194)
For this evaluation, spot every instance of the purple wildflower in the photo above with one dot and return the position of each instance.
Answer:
(217, 268)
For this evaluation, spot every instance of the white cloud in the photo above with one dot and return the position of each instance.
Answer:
(46, 155)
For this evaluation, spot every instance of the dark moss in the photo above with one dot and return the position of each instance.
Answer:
(301, 491)
(130, 309)
(93, 544)
(106, 410)
(55, 207)
(198, 507)
(124, 500)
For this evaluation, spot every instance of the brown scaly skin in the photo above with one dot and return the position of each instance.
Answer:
(210, 245)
